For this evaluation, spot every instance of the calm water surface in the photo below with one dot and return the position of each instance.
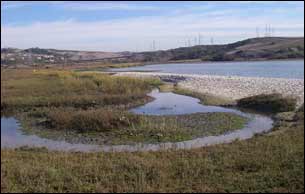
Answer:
(164, 104)
(13, 137)
(277, 69)
(168, 103)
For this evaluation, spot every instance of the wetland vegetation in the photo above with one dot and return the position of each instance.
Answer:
(93, 108)
(93, 105)
(269, 163)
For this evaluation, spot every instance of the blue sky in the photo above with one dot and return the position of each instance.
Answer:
(121, 26)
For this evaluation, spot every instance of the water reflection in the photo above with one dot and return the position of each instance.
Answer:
(13, 137)
(164, 104)
(168, 103)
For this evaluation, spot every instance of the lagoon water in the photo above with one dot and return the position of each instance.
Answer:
(276, 69)
(168, 103)
(13, 137)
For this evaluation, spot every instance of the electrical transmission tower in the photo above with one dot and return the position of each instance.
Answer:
(154, 45)
(199, 39)
(212, 40)
(273, 32)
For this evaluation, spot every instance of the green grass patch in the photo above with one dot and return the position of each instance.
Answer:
(69, 89)
(98, 120)
(107, 126)
(262, 164)
(95, 66)
(206, 99)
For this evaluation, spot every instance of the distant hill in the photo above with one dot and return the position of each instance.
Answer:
(251, 49)
(266, 48)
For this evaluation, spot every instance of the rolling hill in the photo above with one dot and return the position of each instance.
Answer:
(265, 48)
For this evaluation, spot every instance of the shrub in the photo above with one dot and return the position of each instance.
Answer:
(271, 103)
(299, 116)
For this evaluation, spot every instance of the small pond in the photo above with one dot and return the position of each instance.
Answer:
(164, 104)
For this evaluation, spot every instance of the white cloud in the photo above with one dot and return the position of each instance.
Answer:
(83, 6)
(137, 33)
(95, 6)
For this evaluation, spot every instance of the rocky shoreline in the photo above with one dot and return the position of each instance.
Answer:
(231, 87)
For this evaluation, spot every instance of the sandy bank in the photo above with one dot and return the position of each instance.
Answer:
(232, 87)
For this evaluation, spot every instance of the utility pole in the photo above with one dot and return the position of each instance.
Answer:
(199, 39)
(65, 60)
(154, 45)
(30, 58)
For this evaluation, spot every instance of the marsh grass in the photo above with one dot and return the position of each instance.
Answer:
(272, 163)
(114, 126)
(86, 104)
(28, 89)
(97, 66)
(97, 120)
(206, 99)
(262, 164)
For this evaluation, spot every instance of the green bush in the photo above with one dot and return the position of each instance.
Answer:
(272, 103)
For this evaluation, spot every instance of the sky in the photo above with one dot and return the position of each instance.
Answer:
(143, 26)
